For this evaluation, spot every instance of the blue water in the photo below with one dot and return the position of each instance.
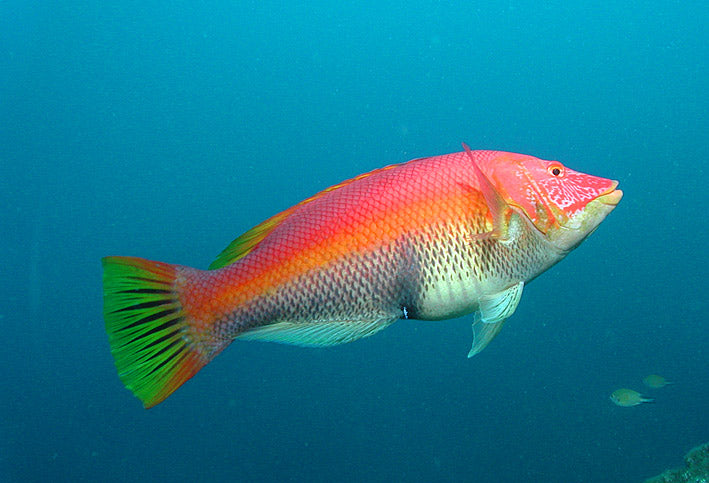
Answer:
(165, 129)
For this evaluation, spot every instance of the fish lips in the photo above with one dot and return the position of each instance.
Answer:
(612, 197)
(577, 229)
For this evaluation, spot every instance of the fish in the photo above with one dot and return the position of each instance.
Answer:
(627, 397)
(429, 239)
(656, 381)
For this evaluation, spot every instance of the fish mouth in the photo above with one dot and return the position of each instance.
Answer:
(612, 197)
(577, 228)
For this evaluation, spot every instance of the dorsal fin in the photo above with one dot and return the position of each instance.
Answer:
(242, 245)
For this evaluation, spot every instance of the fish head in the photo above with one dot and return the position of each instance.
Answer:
(564, 205)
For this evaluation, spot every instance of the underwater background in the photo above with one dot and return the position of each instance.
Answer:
(165, 129)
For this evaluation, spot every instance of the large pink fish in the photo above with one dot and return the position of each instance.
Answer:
(430, 239)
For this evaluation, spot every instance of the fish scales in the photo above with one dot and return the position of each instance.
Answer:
(430, 239)
(403, 235)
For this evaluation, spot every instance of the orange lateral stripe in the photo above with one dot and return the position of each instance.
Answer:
(242, 245)
(235, 287)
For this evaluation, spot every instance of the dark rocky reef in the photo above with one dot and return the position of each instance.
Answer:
(696, 468)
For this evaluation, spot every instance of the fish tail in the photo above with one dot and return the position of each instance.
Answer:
(153, 339)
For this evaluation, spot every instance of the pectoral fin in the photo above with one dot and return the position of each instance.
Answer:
(501, 305)
(499, 209)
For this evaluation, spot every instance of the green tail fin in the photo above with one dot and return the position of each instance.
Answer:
(147, 328)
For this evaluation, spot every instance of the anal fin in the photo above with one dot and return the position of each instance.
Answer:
(322, 333)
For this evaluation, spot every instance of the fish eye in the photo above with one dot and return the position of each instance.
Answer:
(556, 170)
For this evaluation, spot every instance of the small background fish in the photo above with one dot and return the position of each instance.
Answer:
(628, 397)
(655, 381)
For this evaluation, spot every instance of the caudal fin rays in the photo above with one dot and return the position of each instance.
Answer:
(148, 329)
